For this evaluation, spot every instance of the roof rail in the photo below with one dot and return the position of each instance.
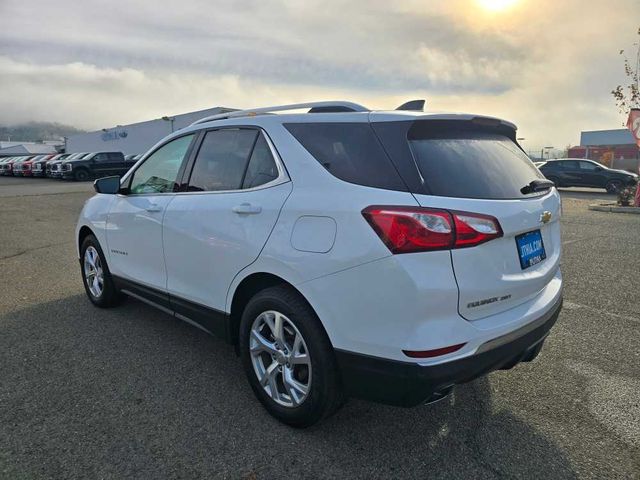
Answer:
(317, 106)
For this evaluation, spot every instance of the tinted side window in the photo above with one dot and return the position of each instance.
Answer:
(569, 165)
(262, 167)
(349, 151)
(587, 166)
(159, 172)
(222, 160)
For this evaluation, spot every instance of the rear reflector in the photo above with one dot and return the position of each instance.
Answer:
(418, 229)
(433, 353)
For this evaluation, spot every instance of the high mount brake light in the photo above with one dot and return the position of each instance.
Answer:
(419, 229)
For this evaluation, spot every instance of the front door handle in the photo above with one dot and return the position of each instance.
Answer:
(154, 207)
(247, 209)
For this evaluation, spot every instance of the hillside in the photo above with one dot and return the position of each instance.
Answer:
(35, 131)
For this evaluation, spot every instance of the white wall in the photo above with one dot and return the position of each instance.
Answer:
(134, 138)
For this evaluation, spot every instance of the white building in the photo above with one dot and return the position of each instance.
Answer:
(29, 148)
(137, 137)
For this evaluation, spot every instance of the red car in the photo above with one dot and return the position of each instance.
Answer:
(14, 165)
(26, 166)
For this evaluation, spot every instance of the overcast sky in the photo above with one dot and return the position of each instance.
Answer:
(546, 65)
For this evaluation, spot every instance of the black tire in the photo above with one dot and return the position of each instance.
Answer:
(81, 175)
(110, 296)
(613, 186)
(325, 391)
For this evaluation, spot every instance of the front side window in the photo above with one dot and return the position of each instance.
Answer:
(222, 160)
(159, 172)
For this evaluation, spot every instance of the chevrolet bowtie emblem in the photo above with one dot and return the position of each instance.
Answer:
(545, 216)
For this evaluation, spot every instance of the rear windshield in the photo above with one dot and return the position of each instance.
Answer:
(470, 164)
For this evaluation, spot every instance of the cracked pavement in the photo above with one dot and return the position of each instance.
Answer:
(134, 393)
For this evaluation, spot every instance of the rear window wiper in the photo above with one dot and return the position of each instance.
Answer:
(537, 186)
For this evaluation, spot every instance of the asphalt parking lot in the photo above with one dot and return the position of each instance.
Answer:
(134, 393)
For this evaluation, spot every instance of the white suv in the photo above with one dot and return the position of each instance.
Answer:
(345, 252)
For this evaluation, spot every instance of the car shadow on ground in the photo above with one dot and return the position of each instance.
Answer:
(132, 392)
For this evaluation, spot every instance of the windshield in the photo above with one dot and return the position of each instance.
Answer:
(470, 164)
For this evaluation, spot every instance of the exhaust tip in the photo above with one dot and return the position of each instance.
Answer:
(439, 395)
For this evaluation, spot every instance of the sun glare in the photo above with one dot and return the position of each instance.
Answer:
(496, 5)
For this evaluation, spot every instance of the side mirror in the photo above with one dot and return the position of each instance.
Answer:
(599, 169)
(109, 185)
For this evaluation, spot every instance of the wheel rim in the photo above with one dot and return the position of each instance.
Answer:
(614, 186)
(93, 273)
(280, 358)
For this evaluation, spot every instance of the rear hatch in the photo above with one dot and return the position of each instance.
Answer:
(474, 165)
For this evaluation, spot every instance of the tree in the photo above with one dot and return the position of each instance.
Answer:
(628, 96)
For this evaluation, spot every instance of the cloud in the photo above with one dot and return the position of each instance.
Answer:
(546, 65)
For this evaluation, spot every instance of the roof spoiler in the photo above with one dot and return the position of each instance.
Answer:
(413, 105)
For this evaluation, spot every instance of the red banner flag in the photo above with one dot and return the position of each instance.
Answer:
(633, 124)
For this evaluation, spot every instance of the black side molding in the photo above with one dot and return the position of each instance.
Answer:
(209, 319)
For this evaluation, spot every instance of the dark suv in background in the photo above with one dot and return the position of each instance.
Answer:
(578, 172)
(95, 165)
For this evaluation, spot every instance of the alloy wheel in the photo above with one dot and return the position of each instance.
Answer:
(93, 273)
(280, 358)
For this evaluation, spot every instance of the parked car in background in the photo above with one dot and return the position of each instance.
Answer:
(3, 164)
(382, 255)
(16, 169)
(7, 165)
(95, 165)
(53, 167)
(578, 172)
(39, 167)
(26, 167)
(35, 161)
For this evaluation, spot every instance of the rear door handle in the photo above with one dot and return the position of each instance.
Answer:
(247, 209)
(154, 207)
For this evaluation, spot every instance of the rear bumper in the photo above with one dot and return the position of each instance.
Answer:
(409, 384)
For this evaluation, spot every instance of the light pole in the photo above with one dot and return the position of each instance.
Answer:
(169, 119)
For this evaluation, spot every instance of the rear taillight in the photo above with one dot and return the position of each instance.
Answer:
(473, 229)
(417, 229)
